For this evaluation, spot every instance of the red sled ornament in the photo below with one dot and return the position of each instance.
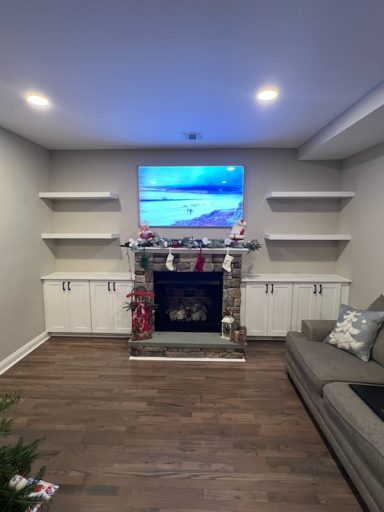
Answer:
(142, 306)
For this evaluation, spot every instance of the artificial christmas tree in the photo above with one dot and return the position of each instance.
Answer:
(15, 463)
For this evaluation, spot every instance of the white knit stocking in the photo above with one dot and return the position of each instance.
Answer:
(169, 262)
(227, 263)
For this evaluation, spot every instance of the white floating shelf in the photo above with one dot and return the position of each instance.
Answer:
(78, 195)
(335, 237)
(310, 195)
(80, 236)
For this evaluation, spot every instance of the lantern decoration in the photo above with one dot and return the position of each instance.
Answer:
(227, 324)
(142, 306)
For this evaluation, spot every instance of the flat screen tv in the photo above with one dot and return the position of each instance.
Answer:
(196, 196)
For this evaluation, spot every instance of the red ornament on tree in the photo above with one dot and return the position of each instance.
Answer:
(199, 267)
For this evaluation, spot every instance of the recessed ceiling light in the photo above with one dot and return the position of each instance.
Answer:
(267, 94)
(38, 100)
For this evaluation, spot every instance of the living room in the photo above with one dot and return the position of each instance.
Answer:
(125, 82)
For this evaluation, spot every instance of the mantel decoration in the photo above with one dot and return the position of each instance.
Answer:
(235, 240)
(142, 305)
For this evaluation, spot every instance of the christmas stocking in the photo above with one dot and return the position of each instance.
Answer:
(199, 267)
(227, 263)
(169, 262)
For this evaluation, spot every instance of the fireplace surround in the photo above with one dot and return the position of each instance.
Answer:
(184, 263)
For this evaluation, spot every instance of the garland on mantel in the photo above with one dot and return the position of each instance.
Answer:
(192, 243)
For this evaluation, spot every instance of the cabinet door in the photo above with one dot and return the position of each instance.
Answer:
(79, 307)
(56, 306)
(304, 304)
(256, 309)
(121, 317)
(279, 309)
(328, 301)
(102, 306)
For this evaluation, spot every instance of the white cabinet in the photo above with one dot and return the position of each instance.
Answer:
(67, 306)
(315, 301)
(107, 301)
(88, 302)
(273, 304)
(268, 308)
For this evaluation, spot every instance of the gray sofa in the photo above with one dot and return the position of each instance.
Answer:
(321, 373)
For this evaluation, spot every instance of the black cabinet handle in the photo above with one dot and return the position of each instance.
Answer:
(321, 289)
(109, 286)
(114, 286)
(69, 286)
(63, 286)
(272, 288)
(266, 288)
(314, 288)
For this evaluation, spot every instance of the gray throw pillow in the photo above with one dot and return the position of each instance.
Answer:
(355, 331)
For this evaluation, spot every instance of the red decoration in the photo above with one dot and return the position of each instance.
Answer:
(199, 267)
(145, 233)
(141, 306)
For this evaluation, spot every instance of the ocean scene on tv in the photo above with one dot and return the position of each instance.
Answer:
(199, 196)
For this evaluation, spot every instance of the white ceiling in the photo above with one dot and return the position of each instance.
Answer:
(138, 73)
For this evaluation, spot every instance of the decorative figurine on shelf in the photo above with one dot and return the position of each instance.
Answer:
(237, 233)
(145, 233)
(227, 324)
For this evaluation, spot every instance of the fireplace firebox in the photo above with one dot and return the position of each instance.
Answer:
(188, 301)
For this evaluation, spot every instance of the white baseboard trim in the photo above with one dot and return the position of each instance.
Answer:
(17, 356)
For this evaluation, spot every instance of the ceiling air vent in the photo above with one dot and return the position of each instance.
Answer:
(192, 135)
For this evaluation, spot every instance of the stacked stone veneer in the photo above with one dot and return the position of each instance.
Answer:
(185, 262)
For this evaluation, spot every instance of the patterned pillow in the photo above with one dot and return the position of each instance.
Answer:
(355, 331)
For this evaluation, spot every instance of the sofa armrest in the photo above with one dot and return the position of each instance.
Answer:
(317, 330)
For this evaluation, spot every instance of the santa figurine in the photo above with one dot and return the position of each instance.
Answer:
(145, 233)
(237, 233)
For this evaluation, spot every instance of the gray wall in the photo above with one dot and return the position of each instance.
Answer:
(24, 171)
(266, 170)
(363, 259)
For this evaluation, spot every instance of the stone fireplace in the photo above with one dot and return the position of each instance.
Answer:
(190, 300)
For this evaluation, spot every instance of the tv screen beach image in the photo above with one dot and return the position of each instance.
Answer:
(197, 196)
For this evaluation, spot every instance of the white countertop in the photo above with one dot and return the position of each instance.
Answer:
(127, 276)
(297, 278)
(91, 276)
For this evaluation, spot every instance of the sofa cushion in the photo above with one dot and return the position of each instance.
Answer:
(357, 423)
(377, 304)
(355, 331)
(317, 330)
(377, 353)
(320, 363)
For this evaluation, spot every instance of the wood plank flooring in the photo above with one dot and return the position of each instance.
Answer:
(135, 436)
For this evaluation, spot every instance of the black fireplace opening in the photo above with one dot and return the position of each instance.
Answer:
(188, 301)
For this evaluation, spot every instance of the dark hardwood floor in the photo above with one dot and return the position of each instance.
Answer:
(140, 436)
